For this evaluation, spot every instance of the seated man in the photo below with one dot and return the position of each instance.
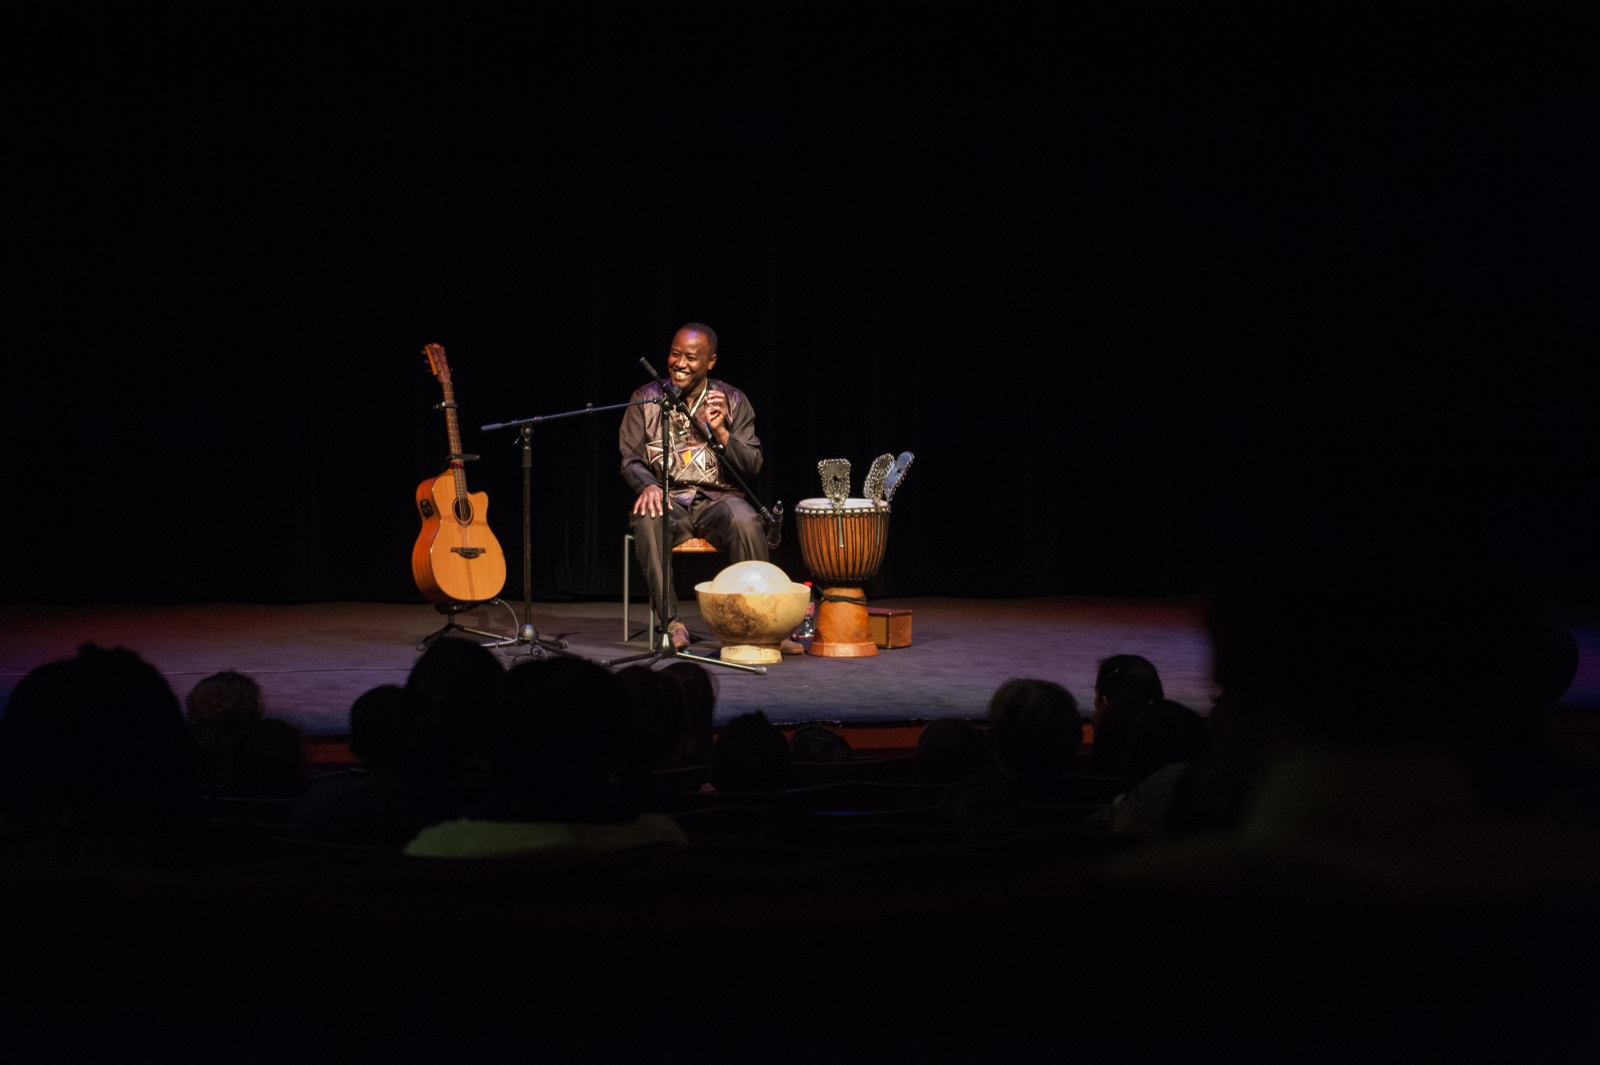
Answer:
(705, 500)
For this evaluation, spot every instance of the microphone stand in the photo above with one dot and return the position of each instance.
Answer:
(672, 399)
(527, 635)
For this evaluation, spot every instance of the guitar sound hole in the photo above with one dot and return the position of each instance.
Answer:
(463, 512)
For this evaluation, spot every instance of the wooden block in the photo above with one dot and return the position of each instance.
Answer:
(890, 627)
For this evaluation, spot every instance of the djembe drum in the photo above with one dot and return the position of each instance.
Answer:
(843, 547)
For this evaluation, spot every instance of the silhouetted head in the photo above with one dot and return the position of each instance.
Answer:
(818, 743)
(448, 694)
(455, 675)
(700, 693)
(380, 727)
(98, 742)
(1555, 667)
(658, 717)
(558, 741)
(1124, 685)
(750, 755)
(1126, 680)
(1034, 727)
(949, 749)
(224, 701)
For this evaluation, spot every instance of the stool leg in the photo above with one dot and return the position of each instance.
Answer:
(627, 570)
(627, 600)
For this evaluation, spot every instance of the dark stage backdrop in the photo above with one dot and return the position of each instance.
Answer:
(1134, 291)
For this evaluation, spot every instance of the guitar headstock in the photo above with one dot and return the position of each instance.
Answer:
(436, 362)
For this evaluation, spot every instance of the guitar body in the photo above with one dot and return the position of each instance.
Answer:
(456, 558)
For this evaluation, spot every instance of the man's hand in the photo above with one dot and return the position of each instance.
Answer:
(648, 502)
(716, 409)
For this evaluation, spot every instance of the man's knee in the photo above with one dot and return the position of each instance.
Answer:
(746, 536)
(745, 521)
(646, 540)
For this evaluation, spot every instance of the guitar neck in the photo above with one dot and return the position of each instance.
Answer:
(458, 458)
(458, 463)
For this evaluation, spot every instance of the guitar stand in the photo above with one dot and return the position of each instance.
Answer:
(451, 611)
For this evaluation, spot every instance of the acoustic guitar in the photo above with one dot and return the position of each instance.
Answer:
(456, 558)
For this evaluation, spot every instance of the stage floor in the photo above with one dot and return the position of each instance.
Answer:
(312, 660)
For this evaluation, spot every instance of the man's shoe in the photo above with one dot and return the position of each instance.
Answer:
(678, 633)
(791, 647)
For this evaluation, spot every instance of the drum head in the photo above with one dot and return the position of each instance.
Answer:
(826, 507)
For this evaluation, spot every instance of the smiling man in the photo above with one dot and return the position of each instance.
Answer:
(703, 497)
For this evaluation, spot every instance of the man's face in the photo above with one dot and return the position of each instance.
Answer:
(690, 360)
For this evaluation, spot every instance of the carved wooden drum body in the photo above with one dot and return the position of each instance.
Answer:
(843, 547)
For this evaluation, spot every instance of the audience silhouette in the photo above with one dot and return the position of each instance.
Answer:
(379, 727)
(750, 754)
(243, 752)
(700, 695)
(96, 757)
(950, 749)
(818, 743)
(564, 771)
(435, 761)
(1124, 686)
(658, 732)
(1373, 822)
(1368, 855)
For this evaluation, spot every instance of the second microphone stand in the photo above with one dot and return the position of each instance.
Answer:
(527, 635)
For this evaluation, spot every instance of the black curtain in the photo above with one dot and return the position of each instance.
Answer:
(1132, 291)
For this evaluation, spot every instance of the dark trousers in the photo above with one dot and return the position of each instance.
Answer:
(730, 523)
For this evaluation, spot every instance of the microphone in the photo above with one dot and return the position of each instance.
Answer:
(775, 526)
(666, 383)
